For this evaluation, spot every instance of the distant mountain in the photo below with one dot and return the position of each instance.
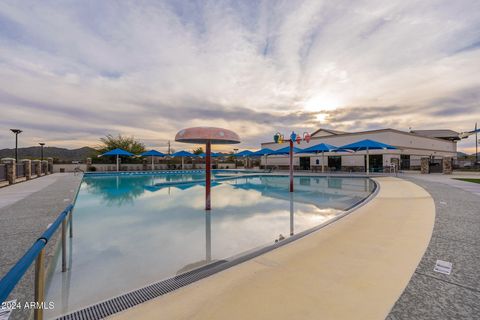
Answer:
(462, 154)
(61, 154)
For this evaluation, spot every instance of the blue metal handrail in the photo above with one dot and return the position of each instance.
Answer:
(11, 279)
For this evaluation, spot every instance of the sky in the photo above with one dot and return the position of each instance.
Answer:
(74, 71)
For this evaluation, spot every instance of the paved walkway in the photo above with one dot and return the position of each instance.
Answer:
(456, 239)
(355, 268)
(26, 209)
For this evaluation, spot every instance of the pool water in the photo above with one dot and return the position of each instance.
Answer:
(133, 230)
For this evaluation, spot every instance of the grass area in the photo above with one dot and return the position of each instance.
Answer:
(469, 180)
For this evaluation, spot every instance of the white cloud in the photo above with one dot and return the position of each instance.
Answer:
(70, 73)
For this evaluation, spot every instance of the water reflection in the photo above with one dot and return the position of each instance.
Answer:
(164, 231)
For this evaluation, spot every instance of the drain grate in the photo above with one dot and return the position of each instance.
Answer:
(133, 298)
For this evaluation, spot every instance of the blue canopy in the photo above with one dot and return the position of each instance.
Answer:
(263, 152)
(152, 153)
(183, 153)
(322, 147)
(286, 150)
(367, 145)
(213, 154)
(244, 153)
(117, 152)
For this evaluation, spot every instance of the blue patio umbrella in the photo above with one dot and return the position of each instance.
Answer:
(286, 150)
(263, 152)
(244, 153)
(322, 147)
(117, 152)
(367, 145)
(213, 155)
(183, 154)
(152, 153)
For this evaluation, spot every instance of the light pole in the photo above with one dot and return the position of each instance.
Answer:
(234, 157)
(41, 149)
(476, 144)
(16, 132)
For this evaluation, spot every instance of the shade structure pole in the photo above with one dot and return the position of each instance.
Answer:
(118, 166)
(208, 237)
(323, 161)
(152, 164)
(368, 163)
(291, 165)
(207, 174)
(182, 163)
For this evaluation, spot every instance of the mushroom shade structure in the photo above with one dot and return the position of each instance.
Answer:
(117, 152)
(207, 136)
(182, 154)
(322, 147)
(367, 145)
(152, 153)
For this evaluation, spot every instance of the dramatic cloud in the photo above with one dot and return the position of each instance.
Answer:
(73, 72)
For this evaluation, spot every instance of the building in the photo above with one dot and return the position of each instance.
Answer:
(436, 145)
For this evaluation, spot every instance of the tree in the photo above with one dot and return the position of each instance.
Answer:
(197, 151)
(109, 142)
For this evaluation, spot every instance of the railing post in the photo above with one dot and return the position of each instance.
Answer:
(64, 245)
(71, 223)
(39, 284)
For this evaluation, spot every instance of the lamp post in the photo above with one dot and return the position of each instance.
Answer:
(16, 132)
(476, 144)
(41, 149)
(235, 158)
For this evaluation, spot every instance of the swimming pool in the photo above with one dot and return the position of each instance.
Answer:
(134, 230)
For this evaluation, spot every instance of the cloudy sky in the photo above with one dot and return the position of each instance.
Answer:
(73, 71)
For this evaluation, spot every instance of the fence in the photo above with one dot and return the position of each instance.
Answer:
(20, 170)
(37, 253)
(3, 172)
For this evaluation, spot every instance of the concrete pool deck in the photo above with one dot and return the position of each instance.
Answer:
(456, 239)
(26, 209)
(355, 268)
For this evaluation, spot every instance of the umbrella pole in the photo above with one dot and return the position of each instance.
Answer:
(152, 164)
(368, 163)
(291, 165)
(117, 163)
(182, 163)
(207, 175)
(292, 221)
(323, 161)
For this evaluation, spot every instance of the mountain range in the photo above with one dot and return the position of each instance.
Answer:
(63, 154)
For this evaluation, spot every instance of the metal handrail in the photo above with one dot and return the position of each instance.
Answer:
(37, 253)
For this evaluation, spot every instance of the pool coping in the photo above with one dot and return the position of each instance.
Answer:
(135, 297)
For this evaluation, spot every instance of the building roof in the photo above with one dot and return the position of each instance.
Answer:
(332, 133)
(326, 132)
(445, 134)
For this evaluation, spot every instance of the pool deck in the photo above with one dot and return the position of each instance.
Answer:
(355, 268)
(26, 209)
(456, 239)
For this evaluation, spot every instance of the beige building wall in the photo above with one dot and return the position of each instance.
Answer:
(407, 144)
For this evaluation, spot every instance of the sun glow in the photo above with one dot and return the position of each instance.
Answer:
(322, 102)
